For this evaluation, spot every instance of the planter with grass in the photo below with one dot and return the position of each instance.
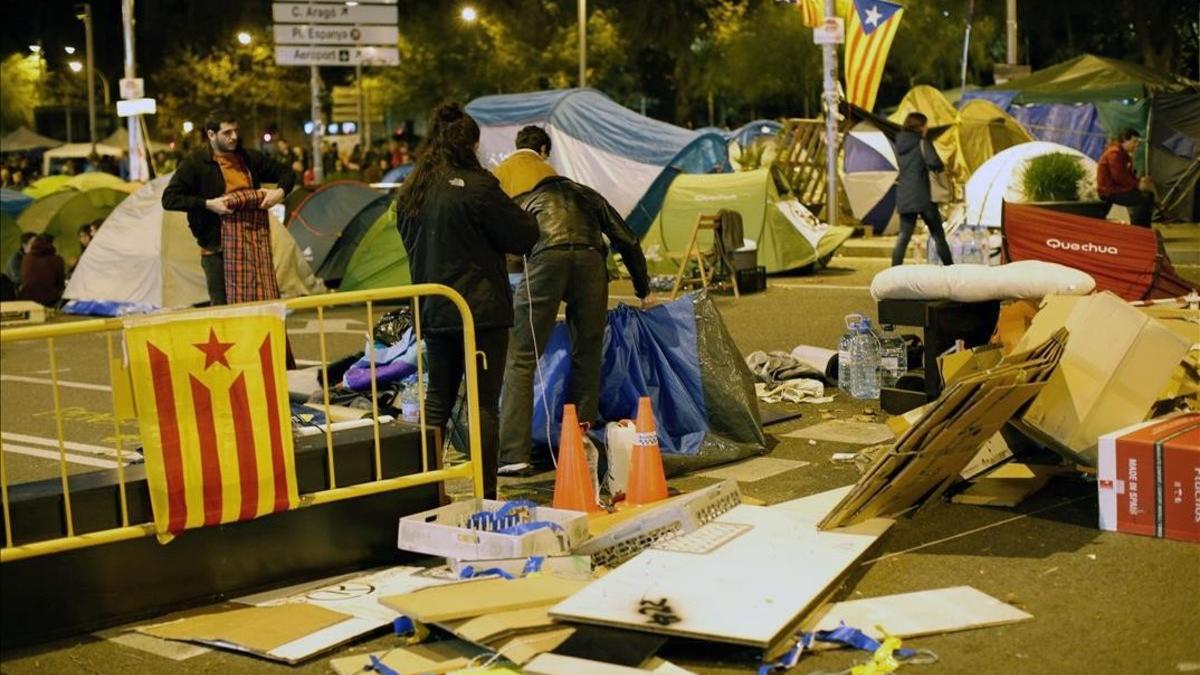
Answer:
(1053, 182)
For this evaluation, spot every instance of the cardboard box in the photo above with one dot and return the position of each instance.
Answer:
(1149, 478)
(445, 531)
(1115, 365)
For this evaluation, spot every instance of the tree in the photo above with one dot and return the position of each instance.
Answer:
(19, 80)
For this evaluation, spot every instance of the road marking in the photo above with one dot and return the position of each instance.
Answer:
(51, 454)
(832, 287)
(61, 383)
(53, 443)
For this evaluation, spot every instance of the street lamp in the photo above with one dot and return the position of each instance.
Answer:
(188, 127)
(469, 14)
(36, 49)
(68, 49)
(75, 66)
(244, 38)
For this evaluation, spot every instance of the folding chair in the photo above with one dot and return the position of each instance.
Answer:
(692, 251)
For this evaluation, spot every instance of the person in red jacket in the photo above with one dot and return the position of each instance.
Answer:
(1118, 184)
(43, 273)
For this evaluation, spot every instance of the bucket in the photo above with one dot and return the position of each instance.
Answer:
(746, 257)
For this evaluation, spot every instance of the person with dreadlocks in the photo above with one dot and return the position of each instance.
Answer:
(457, 224)
(220, 188)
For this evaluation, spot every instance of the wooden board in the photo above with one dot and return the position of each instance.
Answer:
(750, 589)
(460, 601)
(908, 615)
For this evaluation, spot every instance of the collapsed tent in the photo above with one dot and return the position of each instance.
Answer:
(62, 213)
(1087, 100)
(869, 171)
(146, 255)
(24, 139)
(682, 357)
(999, 180)
(628, 158)
(329, 224)
(1127, 260)
(787, 235)
(379, 260)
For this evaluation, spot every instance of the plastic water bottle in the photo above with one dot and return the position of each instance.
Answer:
(956, 245)
(858, 359)
(893, 356)
(410, 402)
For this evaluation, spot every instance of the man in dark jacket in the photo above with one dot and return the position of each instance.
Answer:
(915, 158)
(43, 273)
(199, 184)
(567, 265)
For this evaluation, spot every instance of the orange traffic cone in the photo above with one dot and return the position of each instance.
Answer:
(647, 481)
(573, 482)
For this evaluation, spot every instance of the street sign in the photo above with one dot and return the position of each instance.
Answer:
(302, 34)
(831, 32)
(304, 55)
(132, 87)
(295, 12)
(136, 106)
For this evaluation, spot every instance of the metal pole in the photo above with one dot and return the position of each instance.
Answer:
(582, 43)
(967, 42)
(91, 73)
(361, 109)
(1011, 26)
(829, 54)
(314, 82)
(138, 171)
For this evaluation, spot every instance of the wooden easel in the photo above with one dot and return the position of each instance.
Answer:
(713, 224)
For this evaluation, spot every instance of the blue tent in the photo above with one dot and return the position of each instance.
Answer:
(13, 202)
(628, 158)
(746, 133)
(398, 174)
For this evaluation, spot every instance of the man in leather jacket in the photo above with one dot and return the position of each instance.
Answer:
(566, 265)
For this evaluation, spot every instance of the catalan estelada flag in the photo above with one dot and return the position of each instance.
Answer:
(869, 31)
(812, 12)
(212, 402)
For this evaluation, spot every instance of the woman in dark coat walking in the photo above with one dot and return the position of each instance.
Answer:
(917, 158)
(457, 224)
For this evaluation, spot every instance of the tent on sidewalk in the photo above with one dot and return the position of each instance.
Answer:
(24, 139)
(681, 356)
(380, 260)
(1127, 260)
(62, 213)
(329, 224)
(999, 180)
(628, 158)
(146, 255)
(787, 235)
(12, 202)
(1085, 101)
(46, 186)
(10, 238)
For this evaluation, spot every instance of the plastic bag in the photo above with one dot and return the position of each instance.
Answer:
(391, 327)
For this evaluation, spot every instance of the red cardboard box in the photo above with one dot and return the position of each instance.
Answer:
(1149, 478)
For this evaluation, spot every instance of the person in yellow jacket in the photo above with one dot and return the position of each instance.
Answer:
(522, 170)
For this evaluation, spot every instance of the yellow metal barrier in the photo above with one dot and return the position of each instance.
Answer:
(472, 469)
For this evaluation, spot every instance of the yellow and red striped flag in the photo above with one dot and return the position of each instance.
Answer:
(212, 402)
(812, 12)
(869, 31)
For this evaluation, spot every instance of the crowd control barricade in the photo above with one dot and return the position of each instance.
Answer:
(55, 336)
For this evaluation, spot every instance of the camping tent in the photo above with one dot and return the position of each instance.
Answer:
(24, 139)
(379, 260)
(1085, 101)
(628, 158)
(788, 237)
(76, 151)
(330, 222)
(62, 213)
(1126, 260)
(12, 203)
(869, 171)
(46, 186)
(398, 174)
(999, 180)
(146, 255)
(99, 179)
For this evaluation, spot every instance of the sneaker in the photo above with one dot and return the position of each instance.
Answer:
(513, 469)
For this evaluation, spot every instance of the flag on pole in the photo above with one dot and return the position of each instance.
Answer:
(212, 405)
(812, 12)
(869, 31)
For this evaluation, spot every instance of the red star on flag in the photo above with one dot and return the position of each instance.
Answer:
(214, 350)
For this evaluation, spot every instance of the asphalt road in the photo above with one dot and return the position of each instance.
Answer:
(1102, 602)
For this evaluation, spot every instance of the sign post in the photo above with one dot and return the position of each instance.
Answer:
(325, 33)
(831, 33)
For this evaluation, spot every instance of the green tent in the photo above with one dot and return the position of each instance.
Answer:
(380, 260)
(99, 179)
(47, 186)
(60, 214)
(10, 237)
(788, 237)
(1089, 78)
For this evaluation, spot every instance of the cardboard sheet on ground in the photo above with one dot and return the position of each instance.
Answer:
(846, 431)
(524, 648)
(295, 636)
(733, 580)
(460, 601)
(922, 613)
(752, 470)
(443, 656)
(1009, 485)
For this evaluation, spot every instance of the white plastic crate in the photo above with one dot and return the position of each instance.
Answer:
(445, 531)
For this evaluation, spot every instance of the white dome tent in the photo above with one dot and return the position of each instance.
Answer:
(998, 180)
(144, 254)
